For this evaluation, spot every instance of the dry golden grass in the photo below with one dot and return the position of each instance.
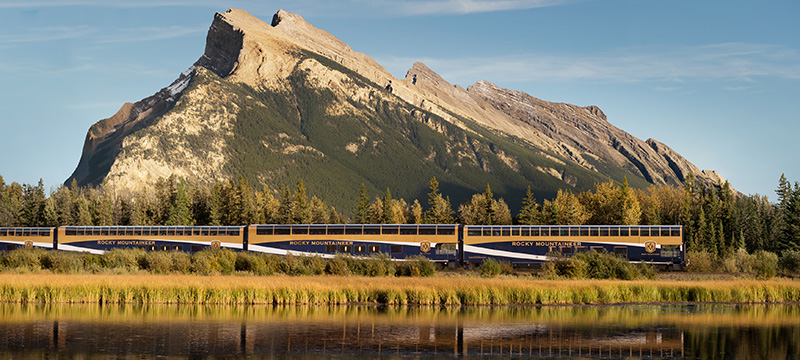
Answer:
(233, 290)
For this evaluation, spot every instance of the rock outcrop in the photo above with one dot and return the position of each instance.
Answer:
(251, 71)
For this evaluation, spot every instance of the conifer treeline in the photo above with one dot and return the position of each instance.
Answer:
(715, 219)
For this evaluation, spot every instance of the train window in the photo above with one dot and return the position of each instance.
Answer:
(563, 231)
(137, 231)
(525, 231)
(163, 247)
(171, 231)
(359, 248)
(177, 248)
(427, 229)
(445, 230)
(374, 248)
(594, 231)
(162, 231)
(584, 231)
(372, 229)
(670, 250)
(104, 231)
(300, 230)
(112, 231)
(353, 229)
(316, 230)
(283, 230)
(95, 231)
(330, 249)
(10, 247)
(535, 231)
(506, 231)
(614, 231)
(263, 230)
(233, 231)
(566, 250)
(496, 231)
(336, 230)
(487, 231)
(129, 231)
(214, 231)
(26, 232)
(44, 232)
(554, 231)
(69, 231)
(604, 231)
(474, 231)
(597, 248)
(345, 248)
(621, 251)
(196, 231)
(151, 248)
(396, 249)
(581, 249)
(180, 231)
(408, 230)
(675, 231)
(644, 231)
(574, 231)
(196, 248)
(655, 231)
(390, 229)
(514, 231)
(634, 231)
(623, 231)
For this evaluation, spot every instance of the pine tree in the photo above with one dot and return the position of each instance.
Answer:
(531, 212)
(302, 212)
(415, 213)
(488, 199)
(362, 206)
(389, 210)
(180, 212)
(286, 206)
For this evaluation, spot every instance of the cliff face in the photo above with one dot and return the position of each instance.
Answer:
(281, 101)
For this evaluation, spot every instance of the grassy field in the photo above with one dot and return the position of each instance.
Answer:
(333, 290)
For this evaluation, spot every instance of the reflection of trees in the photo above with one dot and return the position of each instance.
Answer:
(743, 343)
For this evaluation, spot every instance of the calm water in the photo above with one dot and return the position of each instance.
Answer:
(344, 332)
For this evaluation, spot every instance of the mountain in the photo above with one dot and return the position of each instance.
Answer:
(281, 101)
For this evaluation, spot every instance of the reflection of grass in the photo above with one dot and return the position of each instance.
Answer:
(236, 290)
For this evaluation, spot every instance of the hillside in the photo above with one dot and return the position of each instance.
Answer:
(285, 101)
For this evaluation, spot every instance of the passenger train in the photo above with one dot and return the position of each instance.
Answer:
(521, 245)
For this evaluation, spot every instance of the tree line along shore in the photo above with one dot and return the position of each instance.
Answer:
(724, 231)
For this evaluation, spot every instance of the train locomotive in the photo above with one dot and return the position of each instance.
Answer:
(520, 245)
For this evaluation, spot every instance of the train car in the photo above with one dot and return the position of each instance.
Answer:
(12, 238)
(98, 239)
(529, 245)
(439, 243)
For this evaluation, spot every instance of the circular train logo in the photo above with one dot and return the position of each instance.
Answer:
(29, 244)
(216, 245)
(425, 246)
(650, 246)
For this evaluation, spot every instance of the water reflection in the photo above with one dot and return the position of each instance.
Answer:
(638, 331)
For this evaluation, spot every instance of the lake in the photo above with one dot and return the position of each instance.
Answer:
(339, 332)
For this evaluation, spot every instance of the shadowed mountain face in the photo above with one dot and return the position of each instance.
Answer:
(281, 101)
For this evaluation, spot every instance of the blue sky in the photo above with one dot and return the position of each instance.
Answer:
(718, 81)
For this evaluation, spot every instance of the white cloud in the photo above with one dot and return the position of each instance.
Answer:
(446, 7)
(47, 34)
(740, 62)
(150, 34)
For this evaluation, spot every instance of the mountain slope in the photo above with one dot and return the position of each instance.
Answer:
(286, 101)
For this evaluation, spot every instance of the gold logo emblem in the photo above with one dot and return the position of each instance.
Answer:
(425, 246)
(29, 244)
(650, 246)
(216, 244)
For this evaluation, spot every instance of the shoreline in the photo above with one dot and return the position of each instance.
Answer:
(343, 290)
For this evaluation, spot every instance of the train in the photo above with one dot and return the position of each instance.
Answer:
(520, 245)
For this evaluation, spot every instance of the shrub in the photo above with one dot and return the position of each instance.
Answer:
(700, 261)
(157, 262)
(204, 262)
(24, 258)
(181, 262)
(766, 264)
(127, 259)
(337, 266)
(490, 268)
(272, 263)
(63, 261)
(250, 262)
(314, 264)
(790, 261)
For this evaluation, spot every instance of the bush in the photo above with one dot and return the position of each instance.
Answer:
(250, 262)
(337, 266)
(24, 258)
(597, 265)
(765, 264)
(790, 261)
(700, 261)
(204, 262)
(157, 262)
(181, 262)
(127, 259)
(63, 261)
(415, 266)
(490, 268)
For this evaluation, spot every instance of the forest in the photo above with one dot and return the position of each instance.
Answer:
(718, 222)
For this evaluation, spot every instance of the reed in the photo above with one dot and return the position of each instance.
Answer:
(334, 290)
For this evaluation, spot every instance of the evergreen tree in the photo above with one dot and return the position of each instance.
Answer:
(362, 206)
(415, 213)
(389, 209)
(488, 199)
(180, 212)
(531, 212)
(302, 211)
(34, 202)
(631, 211)
(286, 206)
